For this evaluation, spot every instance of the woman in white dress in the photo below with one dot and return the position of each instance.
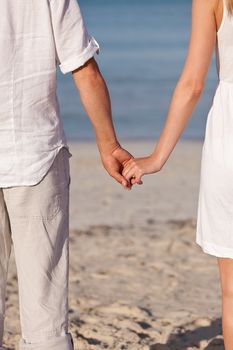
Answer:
(212, 27)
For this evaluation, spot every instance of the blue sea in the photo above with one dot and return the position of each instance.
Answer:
(143, 48)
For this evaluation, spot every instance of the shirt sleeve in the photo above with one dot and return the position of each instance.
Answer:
(74, 46)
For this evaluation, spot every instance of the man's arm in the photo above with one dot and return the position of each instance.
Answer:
(96, 101)
(75, 49)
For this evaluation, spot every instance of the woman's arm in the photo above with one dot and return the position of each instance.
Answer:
(187, 92)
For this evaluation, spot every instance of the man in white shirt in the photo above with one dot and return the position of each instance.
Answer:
(35, 37)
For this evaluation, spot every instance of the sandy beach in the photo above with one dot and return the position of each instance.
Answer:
(138, 280)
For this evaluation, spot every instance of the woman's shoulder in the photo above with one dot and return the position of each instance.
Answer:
(209, 4)
(210, 8)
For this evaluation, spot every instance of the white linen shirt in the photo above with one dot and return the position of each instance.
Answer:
(35, 37)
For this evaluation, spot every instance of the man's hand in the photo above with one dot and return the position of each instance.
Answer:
(96, 101)
(114, 162)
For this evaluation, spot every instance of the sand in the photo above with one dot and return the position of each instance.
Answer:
(138, 280)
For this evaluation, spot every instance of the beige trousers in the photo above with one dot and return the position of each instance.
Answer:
(35, 219)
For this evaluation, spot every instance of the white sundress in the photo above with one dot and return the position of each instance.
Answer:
(214, 233)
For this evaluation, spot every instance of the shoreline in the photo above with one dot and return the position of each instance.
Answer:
(134, 139)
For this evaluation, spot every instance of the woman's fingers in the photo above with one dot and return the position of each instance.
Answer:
(136, 168)
(134, 174)
(126, 172)
(129, 164)
(129, 167)
(135, 182)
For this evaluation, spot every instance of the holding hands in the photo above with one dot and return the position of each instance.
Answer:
(126, 169)
(135, 168)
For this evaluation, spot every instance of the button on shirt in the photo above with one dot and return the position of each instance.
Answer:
(35, 38)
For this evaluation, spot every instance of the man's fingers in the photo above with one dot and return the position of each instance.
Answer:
(129, 181)
(121, 180)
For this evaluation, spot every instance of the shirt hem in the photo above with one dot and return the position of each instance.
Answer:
(41, 175)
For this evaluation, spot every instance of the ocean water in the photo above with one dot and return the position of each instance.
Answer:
(143, 48)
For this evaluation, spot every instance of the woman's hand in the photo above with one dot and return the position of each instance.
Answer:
(135, 168)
